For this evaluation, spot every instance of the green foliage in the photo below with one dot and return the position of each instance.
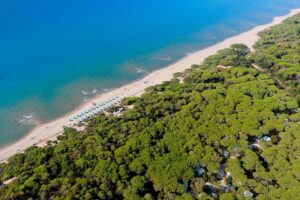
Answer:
(278, 50)
(196, 139)
(235, 56)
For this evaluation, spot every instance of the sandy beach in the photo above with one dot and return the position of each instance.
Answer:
(49, 131)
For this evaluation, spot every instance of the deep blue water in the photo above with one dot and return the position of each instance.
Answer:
(54, 52)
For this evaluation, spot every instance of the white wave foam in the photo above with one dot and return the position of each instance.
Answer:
(105, 90)
(94, 90)
(167, 58)
(139, 70)
(85, 99)
(234, 31)
(27, 116)
(28, 119)
(84, 92)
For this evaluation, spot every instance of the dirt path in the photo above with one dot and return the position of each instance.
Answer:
(278, 81)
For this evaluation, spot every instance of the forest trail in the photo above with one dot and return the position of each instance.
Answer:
(260, 69)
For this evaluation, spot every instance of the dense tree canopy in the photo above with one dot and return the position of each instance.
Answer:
(220, 134)
(278, 50)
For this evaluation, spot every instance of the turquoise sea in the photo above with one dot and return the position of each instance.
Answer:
(54, 55)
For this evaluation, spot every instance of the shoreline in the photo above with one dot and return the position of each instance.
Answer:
(50, 130)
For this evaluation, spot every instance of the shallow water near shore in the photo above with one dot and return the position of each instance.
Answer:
(54, 55)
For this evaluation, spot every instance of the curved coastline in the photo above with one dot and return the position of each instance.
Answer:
(50, 130)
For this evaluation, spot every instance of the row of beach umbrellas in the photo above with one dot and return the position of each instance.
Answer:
(93, 110)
